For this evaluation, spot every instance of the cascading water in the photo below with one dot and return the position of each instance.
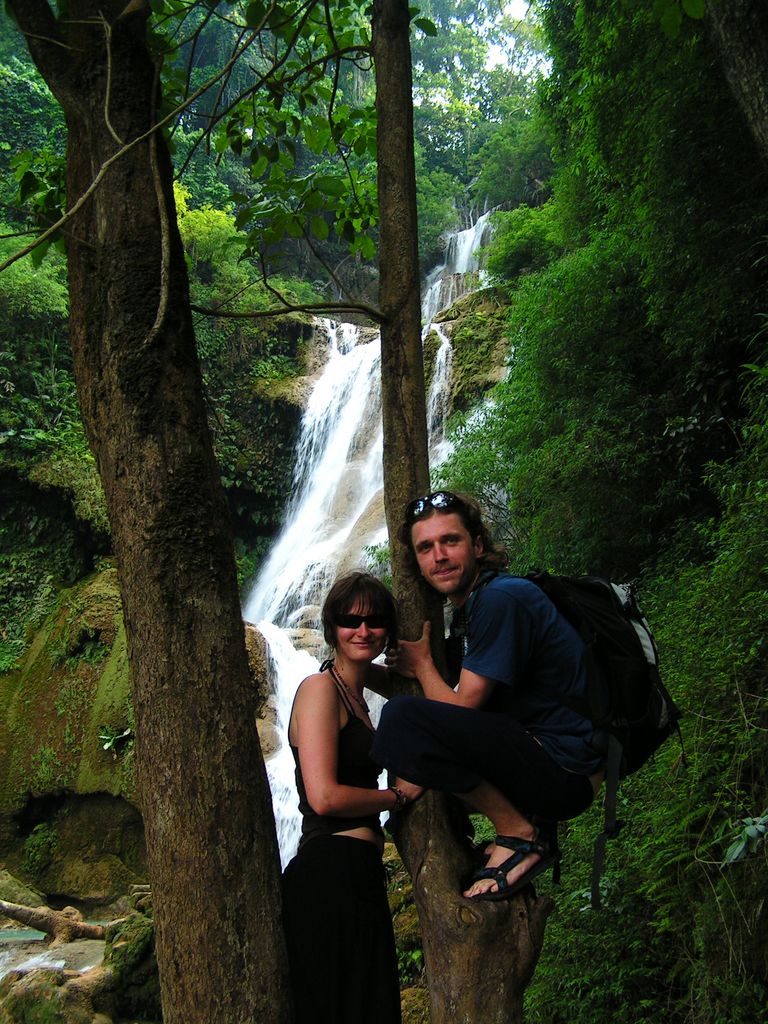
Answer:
(335, 513)
(447, 283)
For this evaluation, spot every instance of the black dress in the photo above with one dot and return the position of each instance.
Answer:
(338, 928)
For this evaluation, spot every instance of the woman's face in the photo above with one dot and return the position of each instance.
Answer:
(361, 635)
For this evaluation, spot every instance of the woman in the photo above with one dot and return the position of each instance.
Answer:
(338, 928)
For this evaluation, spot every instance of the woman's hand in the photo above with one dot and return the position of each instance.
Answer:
(410, 657)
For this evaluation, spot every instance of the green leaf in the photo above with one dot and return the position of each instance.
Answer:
(694, 8)
(319, 228)
(258, 168)
(427, 27)
(367, 247)
(39, 252)
(671, 20)
(254, 14)
(330, 186)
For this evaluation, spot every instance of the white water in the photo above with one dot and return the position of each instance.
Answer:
(337, 510)
(447, 283)
(23, 950)
(47, 959)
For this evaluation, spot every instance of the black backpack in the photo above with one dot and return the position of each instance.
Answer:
(626, 700)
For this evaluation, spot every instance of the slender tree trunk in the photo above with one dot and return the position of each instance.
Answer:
(406, 462)
(479, 957)
(204, 796)
(740, 28)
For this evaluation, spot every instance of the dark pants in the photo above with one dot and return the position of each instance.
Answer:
(452, 748)
(338, 931)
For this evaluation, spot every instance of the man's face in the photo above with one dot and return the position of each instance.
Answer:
(447, 554)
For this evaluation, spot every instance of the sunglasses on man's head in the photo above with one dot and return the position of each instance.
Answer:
(356, 621)
(438, 500)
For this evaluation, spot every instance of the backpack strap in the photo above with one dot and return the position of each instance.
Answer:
(461, 616)
(612, 826)
(483, 580)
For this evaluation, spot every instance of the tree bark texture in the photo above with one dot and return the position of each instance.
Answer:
(205, 800)
(479, 956)
(406, 462)
(740, 28)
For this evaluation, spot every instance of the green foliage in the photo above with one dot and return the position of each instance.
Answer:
(39, 849)
(461, 102)
(515, 164)
(557, 453)
(674, 883)
(624, 440)
(45, 771)
(682, 912)
(751, 834)
(30, 119)
(438, 195)
(524, 240)
(274, 367)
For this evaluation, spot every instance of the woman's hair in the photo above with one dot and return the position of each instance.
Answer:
(493, 555)
(368, 593)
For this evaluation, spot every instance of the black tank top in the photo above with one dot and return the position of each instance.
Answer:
(354, 768)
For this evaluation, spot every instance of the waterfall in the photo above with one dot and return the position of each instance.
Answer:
(460, 273)
(439, 398)
(336, 511)
(337, 480)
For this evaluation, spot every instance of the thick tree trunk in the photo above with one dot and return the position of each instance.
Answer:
(479, 957)
(205, 800)
(740, 28)
(59, 925)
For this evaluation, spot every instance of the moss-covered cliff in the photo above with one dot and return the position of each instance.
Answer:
(475, 325)
(70, 821)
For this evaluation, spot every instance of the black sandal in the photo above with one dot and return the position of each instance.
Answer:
(522, 848)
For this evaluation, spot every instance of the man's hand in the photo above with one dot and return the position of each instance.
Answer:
(410, 657)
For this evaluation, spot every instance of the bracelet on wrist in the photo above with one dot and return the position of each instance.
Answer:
(400, 798)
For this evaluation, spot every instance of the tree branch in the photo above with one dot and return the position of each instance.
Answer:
(119, 154)
(302, 307)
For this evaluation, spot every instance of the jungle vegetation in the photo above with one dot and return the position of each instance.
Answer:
(628, 437)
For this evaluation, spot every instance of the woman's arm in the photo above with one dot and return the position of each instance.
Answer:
(315, 725)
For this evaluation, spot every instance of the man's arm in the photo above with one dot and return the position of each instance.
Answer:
(414, 659)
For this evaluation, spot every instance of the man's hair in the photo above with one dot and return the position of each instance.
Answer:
(368, 593)
(493, 556)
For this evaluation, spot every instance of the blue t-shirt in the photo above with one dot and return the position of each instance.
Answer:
(516, 636)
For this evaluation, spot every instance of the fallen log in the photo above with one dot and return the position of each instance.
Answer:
(59, 925)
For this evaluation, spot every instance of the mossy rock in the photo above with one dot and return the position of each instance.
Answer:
(414, 1002)
(476, 325)
(12, 890)
(41, 997)
(130, 954)
(86, 851)
(406, 925)
(73, 681)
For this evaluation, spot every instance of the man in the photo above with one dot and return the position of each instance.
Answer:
(503, 740)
